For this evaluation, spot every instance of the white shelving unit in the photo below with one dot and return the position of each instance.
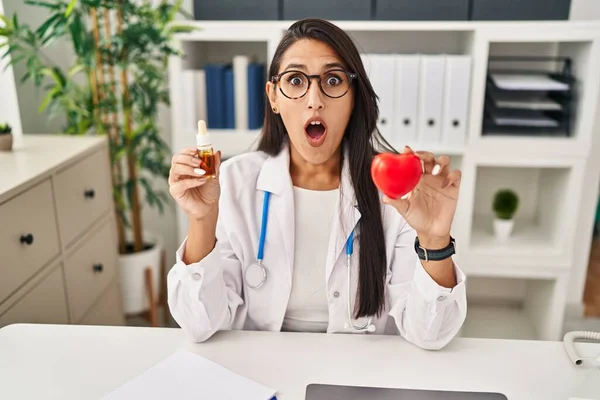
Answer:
(517, 289)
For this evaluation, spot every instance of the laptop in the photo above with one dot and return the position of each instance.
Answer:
(337, 392)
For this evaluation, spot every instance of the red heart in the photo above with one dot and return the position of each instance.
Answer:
(396, 174)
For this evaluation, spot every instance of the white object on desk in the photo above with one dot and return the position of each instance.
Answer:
(189, 376)
(83, 362)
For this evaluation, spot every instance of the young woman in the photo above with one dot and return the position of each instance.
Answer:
(296, 237)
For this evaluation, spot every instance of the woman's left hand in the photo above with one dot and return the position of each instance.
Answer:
(429, 209)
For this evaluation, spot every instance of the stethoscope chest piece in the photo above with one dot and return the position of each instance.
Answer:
(255, 275)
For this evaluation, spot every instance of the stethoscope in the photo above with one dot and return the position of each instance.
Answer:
(256, 273)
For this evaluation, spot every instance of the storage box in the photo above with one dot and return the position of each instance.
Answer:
(236, 9)
(422, 10)
(521, 10)
(328, 9)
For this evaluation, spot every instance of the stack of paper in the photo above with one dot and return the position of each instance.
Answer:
(528, 82)
(185, 375)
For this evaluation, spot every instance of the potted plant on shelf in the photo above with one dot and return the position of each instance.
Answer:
(6, 137)
(505, 205)
(114, 87)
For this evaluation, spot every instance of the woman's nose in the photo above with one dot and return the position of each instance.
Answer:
(315, 97)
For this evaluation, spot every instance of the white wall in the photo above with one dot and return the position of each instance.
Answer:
(585, 9)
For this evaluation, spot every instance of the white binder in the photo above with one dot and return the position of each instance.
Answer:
(240, 87)
(456, 99)
(431, 92)
(406, 94)
(382, 79)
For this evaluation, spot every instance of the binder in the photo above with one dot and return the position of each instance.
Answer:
(230, 109)
(406, 93)
(456, 99)
(188, 118)
(240, 70)
(215, 95)
(431, 90)
(199, 96)
(382, 79)
(256, 104)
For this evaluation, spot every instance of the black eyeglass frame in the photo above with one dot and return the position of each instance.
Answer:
(351, 76)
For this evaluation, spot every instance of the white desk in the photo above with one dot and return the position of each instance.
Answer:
(85, 362)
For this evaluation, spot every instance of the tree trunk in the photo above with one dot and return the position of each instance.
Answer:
(114, 135)
(136, 220)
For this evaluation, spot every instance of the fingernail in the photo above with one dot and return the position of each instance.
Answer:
(199, 171)
(405, 196)
(423, 165)
(436, 170)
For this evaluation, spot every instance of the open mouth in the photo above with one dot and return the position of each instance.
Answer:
(315, 131)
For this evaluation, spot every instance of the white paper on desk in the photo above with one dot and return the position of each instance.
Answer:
(527, 82)
(185, 375)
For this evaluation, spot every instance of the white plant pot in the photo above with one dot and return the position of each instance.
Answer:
(503, 228)
(133, 280)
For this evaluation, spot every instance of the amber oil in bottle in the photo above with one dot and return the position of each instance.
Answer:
(205, 152)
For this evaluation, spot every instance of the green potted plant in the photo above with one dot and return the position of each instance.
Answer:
(114, 87)
(505, 205)
(6, 137)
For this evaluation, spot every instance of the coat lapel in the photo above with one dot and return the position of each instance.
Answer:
(275, 177)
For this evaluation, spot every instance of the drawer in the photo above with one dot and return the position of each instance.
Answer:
(89, 269)
(83, 194)
(422, 10)
(524, 10)
(327, 9)
(28, 237)
(108, 310)
(44, 304)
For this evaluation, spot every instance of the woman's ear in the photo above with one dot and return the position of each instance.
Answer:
(271, 94)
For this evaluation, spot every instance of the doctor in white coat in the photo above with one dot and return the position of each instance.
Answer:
(296, 237)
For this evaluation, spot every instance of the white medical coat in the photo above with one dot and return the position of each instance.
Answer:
(211, 295)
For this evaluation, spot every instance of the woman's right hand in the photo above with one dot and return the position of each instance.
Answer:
(194, 193)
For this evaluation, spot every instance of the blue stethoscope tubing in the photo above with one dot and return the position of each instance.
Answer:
(257, 272)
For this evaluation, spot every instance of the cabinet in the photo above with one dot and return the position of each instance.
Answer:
(424, 10)
(327, 9)
(58, 250)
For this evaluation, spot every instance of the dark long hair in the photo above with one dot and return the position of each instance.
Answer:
(362, 139)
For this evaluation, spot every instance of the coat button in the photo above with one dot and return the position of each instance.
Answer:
(196, 276)
(336, 294)
(441, 298)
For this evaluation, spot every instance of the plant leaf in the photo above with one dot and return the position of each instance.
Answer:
(70, 8)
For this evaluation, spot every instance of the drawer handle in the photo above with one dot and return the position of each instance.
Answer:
(98, 268)
(27, 239)
(89, 193)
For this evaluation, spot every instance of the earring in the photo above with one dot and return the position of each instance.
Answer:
(274, 109)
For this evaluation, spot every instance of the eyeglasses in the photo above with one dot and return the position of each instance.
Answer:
(295, 84)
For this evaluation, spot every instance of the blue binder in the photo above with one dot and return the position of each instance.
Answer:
(229, 99)
(256, 104)
(215, 95)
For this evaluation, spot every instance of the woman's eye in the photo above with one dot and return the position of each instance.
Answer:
(333, 80)
(295, 80)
